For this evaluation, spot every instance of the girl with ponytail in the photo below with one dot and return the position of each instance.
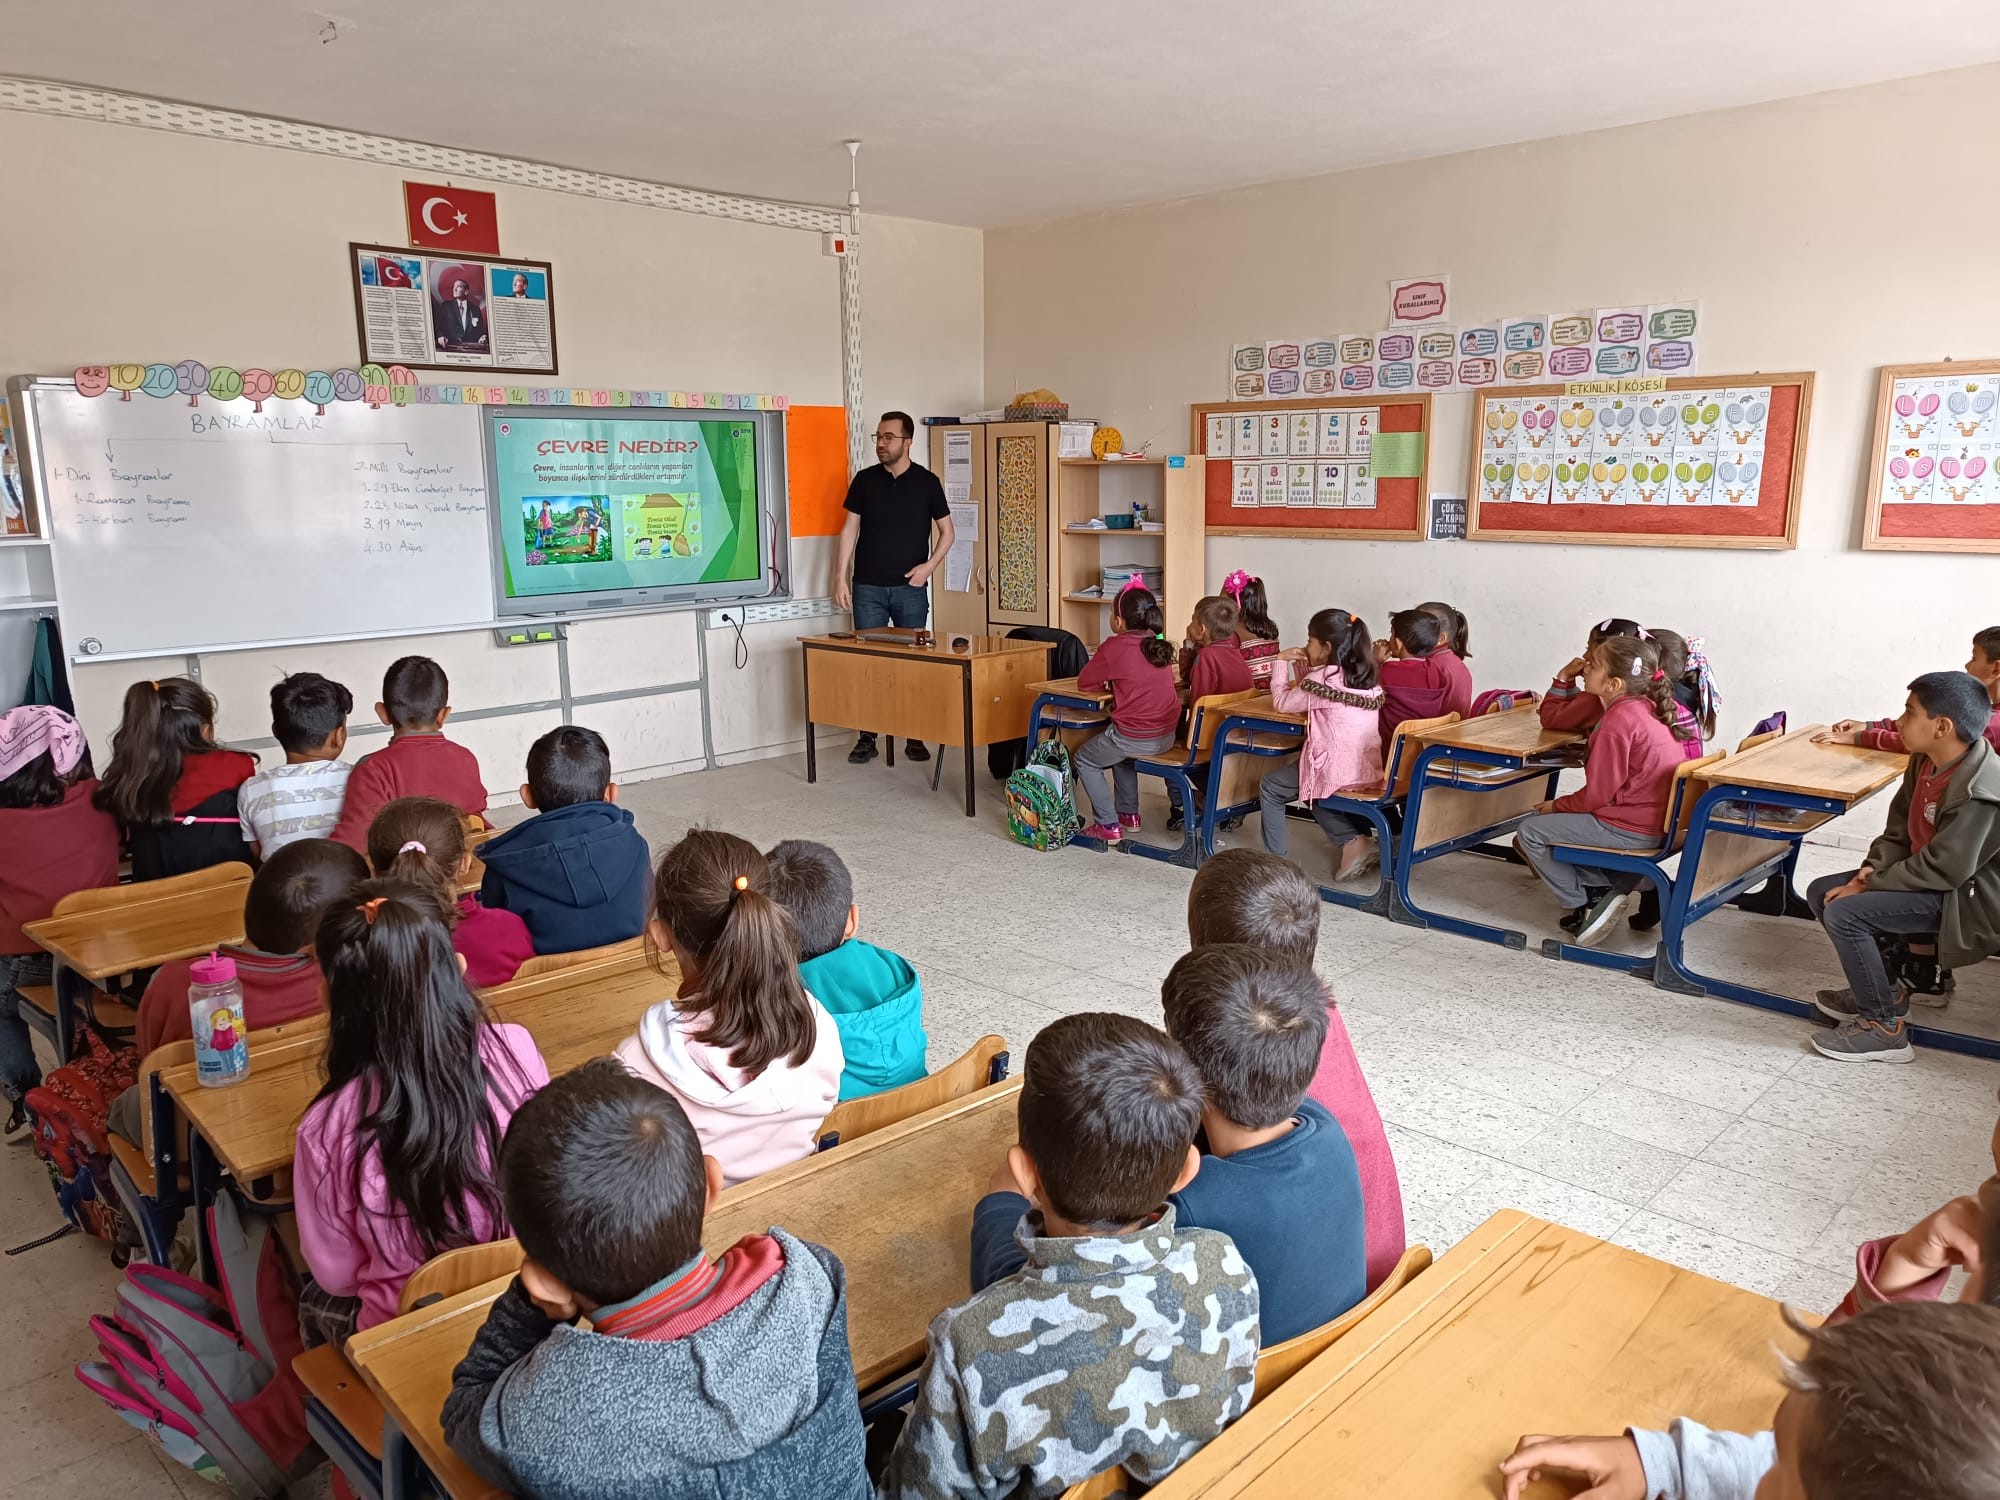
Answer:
(1256, 636)
(395, 1156)
(1628, 780)
(171, 788)
(1338, 691)
(1136, 665)
(752, 1057)
(422, 840)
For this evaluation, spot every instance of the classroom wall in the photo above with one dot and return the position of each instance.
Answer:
(143, 245)
(1834, 233)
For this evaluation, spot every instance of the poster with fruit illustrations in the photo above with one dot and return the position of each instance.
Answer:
(1934, 460)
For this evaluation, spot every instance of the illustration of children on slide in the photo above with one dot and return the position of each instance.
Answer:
(545, 528)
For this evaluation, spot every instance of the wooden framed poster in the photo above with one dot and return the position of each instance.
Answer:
(1317, 466)
(428, 311)
(1932, 481)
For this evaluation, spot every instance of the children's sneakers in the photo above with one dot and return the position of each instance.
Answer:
(1130, 822)
(1863, 1040)
(1111, 833)
(1838, 1005)
(1597, 917)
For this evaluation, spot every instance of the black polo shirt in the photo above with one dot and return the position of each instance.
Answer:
(896, 516)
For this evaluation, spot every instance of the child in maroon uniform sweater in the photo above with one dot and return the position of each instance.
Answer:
(1136, 663)
(169, 785)
(418, 761)
(1211, 664)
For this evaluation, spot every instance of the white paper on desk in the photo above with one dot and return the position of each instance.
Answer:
(957, 461)
(958, 565)
(964, 521)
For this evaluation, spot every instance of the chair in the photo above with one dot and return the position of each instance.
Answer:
(1376, 802)
(1280, 1362)
(1178, 767)
(458, 1271)
(553, 963)
(1752, 741)
(982, 1064)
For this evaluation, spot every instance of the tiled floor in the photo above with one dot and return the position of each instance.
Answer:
(1699, 1131)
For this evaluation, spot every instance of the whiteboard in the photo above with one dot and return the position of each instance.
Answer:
(182, 528)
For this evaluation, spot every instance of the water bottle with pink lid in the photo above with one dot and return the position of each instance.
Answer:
(215, 1005)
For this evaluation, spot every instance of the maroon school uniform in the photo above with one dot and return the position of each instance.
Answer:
(1457, 681)
(277, 987)
(1218, 667)
(48, 852)
(493, 943)
(410, 765)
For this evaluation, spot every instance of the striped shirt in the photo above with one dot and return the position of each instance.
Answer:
(287, 803)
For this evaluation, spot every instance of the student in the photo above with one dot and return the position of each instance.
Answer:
(1935, 869)
(1567, 705)
(1454, 650)
(1421, 679)
(1277, 1174)
(172, 790)
(1628, 780)
(274, 962)
(302, 798)
(1210, 664)
(874, 996)
(1256, 636)
(1881, 734)
(1136, 664)
(625, 1360)
(422, 840)
(54, 840)
(1690, 678)
(396, 1153)
(1336, 690)
(753, 1058)
(576, 872)
(1457, 629)
(1028, 1386)
(1248, 896)
(418, 761)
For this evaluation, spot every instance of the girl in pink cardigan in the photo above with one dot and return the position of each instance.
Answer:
(1336, 690)
(752, 1057)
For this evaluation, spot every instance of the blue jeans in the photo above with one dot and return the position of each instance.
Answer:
(19, 1071)
(899, 604)
(1855, 923)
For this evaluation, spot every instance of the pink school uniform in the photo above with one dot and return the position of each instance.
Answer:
(1339, 1087)
(1343, 737)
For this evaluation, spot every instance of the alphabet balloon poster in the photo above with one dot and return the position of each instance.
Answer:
(1934, 481)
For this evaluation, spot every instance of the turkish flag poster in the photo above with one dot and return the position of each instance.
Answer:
(451, 218)
(454, 312)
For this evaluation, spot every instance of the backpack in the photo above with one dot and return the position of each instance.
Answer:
(1040, 814)
(70, 1109)
(1499, 700)
(207, 1373)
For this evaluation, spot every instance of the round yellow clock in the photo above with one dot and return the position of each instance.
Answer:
(1106, 441)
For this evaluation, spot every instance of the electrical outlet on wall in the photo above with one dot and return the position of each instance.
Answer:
(735, 616)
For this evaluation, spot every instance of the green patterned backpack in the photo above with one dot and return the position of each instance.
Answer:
(1040, 814)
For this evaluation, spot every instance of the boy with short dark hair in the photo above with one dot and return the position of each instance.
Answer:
(1250, 896)
(1277, 1173)
(418, 761)
(1415, 684)
(622, 1360)
(1935, 869)
(1031, 1386)
(302, 798)
(874, 996)
(578, 873)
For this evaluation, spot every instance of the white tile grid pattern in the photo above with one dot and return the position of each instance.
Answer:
(1702, 1132)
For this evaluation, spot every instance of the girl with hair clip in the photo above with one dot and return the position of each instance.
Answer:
(171, 788)
(1569, 705)
(1627, 781)
(1453, 651)
(752, 1057)
(422, 840)
(1689, 676)
(1255, 633)
(396, 1154)
(1337, 690)
(1136, 664)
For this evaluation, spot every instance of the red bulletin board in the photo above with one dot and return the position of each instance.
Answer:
(1773, 522)
(1937, 440)
(1399, 513)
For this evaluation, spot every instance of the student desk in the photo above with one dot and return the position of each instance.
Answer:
(1524, 1326)
(931, 694)
(895, 1206)
(1473, 779)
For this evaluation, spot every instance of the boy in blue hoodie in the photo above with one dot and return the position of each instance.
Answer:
(874, 996)
(579, 873)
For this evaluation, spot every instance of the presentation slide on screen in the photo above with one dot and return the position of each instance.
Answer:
(606, 504)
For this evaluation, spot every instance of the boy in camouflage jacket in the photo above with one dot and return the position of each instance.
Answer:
(1123, 1340)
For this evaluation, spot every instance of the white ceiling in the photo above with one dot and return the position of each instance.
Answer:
(993, 113)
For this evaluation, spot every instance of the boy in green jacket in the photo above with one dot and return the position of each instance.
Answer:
(1935, 869)
(874, 996)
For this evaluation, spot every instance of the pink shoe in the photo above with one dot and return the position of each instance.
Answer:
(1111, 833)
(1129, 822)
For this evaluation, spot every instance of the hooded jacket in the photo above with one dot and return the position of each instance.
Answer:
(749, 1124)
(877, 1003)
(1962, 860)
(579, 876)
(48, 852)
(757, 1404)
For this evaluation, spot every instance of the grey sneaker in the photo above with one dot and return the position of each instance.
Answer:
(1863, 1040)
(1598, 917)
(1838, 1005)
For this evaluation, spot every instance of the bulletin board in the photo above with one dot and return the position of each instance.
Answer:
(1377, 494)
(1932, 481)
(1699, 429)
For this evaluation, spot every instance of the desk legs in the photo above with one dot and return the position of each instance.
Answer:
(812, 742)
(404, 1475)
(204, 1181)
(1463, 826)
(967, 705)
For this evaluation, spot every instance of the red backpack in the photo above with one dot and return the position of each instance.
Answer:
(69, 1110)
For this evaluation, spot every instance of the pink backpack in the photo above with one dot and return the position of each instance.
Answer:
(207, 1373)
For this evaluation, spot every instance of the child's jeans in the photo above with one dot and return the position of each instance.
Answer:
(1113, 751)
(1279, 789)
(1542, 832)
(19, 1071)
(1856, 922)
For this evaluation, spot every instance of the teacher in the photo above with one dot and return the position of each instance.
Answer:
(886, 542)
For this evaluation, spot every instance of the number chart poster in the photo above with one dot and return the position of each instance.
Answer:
(605, 504)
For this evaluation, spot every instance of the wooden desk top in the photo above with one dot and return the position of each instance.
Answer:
(573, 1014)
(1516, 732)
(982, 645)
(144, 934)
(1795, 764)
(895, 1206)
(1524, 1326)
(1065, 687)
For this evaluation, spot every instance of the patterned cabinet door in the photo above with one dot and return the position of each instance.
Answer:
(1018, 458)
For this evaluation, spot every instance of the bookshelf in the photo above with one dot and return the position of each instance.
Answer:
(1171, 489)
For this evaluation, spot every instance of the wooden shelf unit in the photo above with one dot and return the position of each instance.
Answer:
(1173, 492)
